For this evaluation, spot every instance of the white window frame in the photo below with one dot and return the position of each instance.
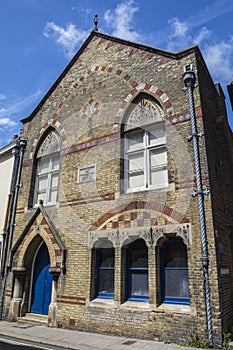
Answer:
(146, 149)
(49, 175)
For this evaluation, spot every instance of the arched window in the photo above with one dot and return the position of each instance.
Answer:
(137, 271)
(47, 170)
(104, 286)
(174, 272)
(145, 153)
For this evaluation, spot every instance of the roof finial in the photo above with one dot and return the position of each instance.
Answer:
(96, 21)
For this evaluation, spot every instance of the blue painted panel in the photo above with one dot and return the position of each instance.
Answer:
(42, 283)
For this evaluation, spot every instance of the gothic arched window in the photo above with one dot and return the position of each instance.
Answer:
(145, 153)
(174, 272)
(137, 271)
(47, 170)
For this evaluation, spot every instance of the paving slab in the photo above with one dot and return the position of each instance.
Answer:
(76, 340)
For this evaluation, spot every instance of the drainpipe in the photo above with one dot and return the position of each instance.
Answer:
(15, 153)
(190, 83)
(22, 147)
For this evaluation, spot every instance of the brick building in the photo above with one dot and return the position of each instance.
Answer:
(108, 236)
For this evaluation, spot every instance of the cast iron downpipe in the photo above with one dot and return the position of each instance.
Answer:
(22, 147)
(190, 83)
(15, 153)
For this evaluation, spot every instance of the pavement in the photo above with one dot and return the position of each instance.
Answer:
(73, 339)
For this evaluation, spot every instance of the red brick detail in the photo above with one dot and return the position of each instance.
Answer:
(118, 72)
(147, 56)
(147, 87)
(103, 69)
(82, 78)
(133, 216)
(134, 92)
(122, 209)
(111, 43)
(127, 77)
(100, 84)
(43, 222)
(60, 105)
(132, 52)
(134, 84)
(110, 69)
(84, 91)
(96, 68)
(115, 224)
(153, 222)
(159, 92)
(68, 94)
(124, 104)
(127, 223)
(75, 85)
(57, 252)
(140, 222)
(168, 104)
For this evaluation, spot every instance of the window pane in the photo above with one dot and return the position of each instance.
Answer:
(175, 254)
(41, 196)
(43, 165)
(157, 157)
(106, 257)
(42, 182)
(138, 256)
(158, 177)
(106, 281)
(54, 181)
(176, 283)
(136, 170)
(157, 136)
(136, 161)
(55, 160)
(135, 141)
(139, 283)
(53, 196)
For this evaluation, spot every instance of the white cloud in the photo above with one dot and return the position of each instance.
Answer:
(121, 21)
(219, 59)
(7, 122)
(179, 37)
(68, 38)
(178, 28)
(19, 106)
(204, 34)
(213, 10)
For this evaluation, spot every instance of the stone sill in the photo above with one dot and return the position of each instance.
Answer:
(175, 308)
(142, 306)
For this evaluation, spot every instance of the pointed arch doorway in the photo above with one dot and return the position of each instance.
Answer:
(41, 282)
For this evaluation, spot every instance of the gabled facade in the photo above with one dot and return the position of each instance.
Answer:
(108, 234)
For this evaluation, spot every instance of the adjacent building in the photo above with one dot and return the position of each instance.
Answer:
(110, 237)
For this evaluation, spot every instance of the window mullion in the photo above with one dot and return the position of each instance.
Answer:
(146, 164)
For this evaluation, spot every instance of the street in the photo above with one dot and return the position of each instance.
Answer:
(12, 344)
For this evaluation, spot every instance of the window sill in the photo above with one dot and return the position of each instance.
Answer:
(175, 308)
(101, 302)
(136, 305)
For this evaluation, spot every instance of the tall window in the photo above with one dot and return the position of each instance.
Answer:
(145, 150)
(137, 271)
(105, 272)
(47, 170)
(174, 272)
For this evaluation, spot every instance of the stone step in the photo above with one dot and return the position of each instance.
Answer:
(34, 318)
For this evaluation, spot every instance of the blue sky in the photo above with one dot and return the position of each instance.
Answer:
(39, 37)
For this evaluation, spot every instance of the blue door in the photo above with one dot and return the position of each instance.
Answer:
(42, 282)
